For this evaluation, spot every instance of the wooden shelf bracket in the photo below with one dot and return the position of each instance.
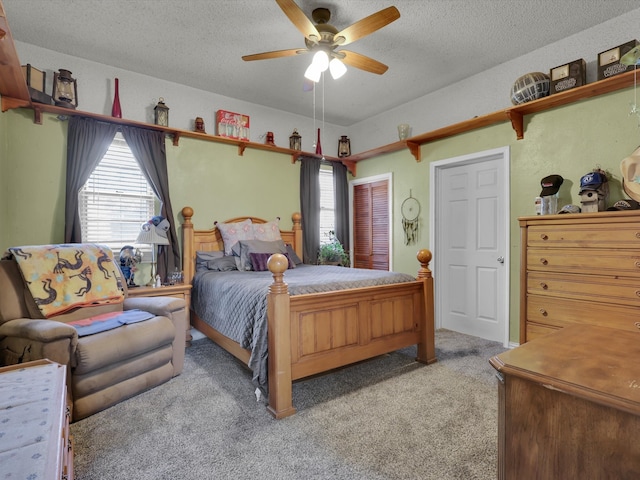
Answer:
(517, 123)
(414, 148)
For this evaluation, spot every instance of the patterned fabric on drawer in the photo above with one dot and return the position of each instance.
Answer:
(30, 420)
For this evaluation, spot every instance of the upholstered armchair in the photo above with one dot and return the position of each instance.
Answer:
(105, 367)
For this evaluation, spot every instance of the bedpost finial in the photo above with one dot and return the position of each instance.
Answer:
(424, 256)
(187, 213)
(278, 263)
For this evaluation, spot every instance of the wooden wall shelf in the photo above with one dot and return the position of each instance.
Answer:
(513, 114)
(14, 94)
(175, 133)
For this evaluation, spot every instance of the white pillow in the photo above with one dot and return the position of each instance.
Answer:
(269, 232)
(234, 232)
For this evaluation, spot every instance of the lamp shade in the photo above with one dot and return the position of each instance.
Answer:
(150, 235)
(313, 73)
(337, 68)
(321, 60)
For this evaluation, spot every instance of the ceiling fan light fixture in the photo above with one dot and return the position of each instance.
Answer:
(321, 60)
(313, 73)
(337, 68)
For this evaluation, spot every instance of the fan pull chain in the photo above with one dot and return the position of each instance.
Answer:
(322, 133)
(314, 118)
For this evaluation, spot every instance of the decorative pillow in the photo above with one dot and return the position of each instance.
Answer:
(259, 261)
(202, 258)
(224, 264)
(244, 248)
(269, 231)
(293, 255)
(234, 232)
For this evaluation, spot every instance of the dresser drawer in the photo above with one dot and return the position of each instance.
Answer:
(584, 261)
(602, 289)
(608, 235)
(560, 312)
(535, 330)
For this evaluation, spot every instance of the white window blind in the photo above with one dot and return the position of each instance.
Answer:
(116, 200)
(327, 204)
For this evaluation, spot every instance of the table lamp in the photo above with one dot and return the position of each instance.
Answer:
(154, 236)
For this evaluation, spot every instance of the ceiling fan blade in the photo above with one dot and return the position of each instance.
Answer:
(274, 54)
(366, 26)
(299, 19)
(363, 62)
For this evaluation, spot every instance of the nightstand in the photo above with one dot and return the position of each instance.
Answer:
(182, 290)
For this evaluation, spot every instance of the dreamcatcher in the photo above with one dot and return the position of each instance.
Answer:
(410, 213)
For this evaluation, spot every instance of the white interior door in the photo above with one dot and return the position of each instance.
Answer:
(470, 211)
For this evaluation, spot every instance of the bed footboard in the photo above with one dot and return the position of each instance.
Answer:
(309, 334)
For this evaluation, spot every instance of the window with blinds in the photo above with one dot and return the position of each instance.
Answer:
(327, 205)
(116, 200)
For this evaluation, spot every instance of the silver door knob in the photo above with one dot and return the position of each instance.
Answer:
(501, 259)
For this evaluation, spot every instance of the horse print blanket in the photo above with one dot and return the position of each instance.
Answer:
(66, 276)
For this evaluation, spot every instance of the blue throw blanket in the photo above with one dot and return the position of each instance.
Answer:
(109, 321)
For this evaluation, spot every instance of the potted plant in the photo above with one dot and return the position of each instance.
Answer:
(332, 252)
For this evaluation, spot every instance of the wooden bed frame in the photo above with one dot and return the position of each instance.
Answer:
(314, 333)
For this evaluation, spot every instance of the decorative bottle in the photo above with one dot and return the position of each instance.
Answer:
(318, 146)
(115, 110)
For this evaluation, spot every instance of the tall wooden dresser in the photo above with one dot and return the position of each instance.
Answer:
(579, 269)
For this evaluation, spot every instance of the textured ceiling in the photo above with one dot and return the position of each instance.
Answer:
(200, 43)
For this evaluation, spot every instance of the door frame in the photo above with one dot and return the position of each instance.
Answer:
(435, 170)
(359, 181)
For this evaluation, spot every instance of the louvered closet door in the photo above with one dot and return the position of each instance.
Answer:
(371, 225)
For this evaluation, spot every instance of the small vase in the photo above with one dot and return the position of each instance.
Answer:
(115, 110)
(403, 131)
(318, 146)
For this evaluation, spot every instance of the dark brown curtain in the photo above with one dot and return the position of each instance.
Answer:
(341, 192)
(148, 147)
(87, 142)
(310, 206)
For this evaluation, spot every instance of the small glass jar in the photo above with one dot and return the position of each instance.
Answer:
(176, 277)
(550, 204)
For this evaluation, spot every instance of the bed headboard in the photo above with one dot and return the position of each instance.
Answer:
(210, 240)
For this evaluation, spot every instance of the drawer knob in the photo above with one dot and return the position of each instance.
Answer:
(637, 234)
(544, 236)
(544, 286)
(544, 261)
(543, 312)
(637, 293)
(637, 264)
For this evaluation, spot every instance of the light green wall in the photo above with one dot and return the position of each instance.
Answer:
(569, 140)
(3, 170)
(34, 179)
(219, 184)
(209, 177)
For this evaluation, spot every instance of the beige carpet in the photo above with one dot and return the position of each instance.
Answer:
(387, 418)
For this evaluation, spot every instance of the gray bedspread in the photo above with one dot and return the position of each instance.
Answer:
(235, 303)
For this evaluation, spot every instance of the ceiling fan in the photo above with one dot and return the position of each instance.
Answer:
(323, 40)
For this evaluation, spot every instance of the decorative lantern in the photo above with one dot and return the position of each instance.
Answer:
(295, 140)
(161, 112)
(65, 89)
(344, 146)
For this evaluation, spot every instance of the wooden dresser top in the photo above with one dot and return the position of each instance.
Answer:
(595, 363)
